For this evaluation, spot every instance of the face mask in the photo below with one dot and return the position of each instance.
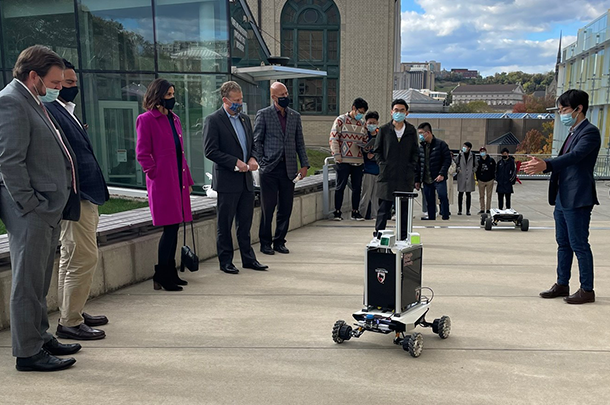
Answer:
(399, 116)
(371, 127)
(68, 94)
(464, 149)
(168, 103)
(483, 154)
(567, 119)
(359, 116)
(421, 138)
(236, 107)
(51, 94)
(504, 157)
(283, 101)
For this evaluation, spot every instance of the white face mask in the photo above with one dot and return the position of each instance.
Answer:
(51, 94)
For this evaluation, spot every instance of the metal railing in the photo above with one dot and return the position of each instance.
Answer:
(326, 185)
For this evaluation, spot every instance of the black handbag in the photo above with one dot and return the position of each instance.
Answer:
(188, 256)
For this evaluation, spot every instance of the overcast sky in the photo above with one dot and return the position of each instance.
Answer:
(493, 36)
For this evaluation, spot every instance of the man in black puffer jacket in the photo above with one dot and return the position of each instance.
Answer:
(434, 161)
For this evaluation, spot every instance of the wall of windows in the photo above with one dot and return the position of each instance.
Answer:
(310, 38)
(120, 46)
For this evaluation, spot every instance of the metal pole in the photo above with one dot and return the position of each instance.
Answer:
(326, 187)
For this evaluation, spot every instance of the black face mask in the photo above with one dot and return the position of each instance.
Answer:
(504, 157)
(168, 103)
(283, 102)
(68, 94)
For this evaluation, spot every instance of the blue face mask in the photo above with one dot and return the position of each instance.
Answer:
(464, 149)
(236, 107)
(567, 119)
(359, 116)
(483, 154)
(399, 116)
(421, 138)
(50, 96)
(371, 127)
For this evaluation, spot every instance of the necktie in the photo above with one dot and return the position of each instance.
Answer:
(568, 142)
(64, 146)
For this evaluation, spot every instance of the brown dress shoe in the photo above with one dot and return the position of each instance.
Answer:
(556, 291)
(580, 297)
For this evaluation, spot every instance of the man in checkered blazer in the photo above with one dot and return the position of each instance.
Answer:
(278, 139)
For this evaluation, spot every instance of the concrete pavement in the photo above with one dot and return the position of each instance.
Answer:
(265, 337)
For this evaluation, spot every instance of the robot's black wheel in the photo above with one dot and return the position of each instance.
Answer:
(488, 224)
(483, 218)
(519, 219)
(341, 331)
(525, 225)
(414, 344)
(443, 327)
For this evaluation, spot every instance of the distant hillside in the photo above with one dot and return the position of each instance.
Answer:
(530, 82)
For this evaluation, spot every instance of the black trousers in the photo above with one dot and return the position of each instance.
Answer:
(238, 206)
(277, 190)
(461, 199)
(344, 171)
(384, 214)
(168, 244)
(501, 197)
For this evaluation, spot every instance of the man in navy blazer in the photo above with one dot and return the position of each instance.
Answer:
(227, 141)
(572, 192)
(79, 253)
(278, 139)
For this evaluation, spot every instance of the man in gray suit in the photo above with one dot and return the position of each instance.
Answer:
(38, 179)
(278, 138)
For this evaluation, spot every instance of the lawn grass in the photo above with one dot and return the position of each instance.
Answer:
(112, 206)
(316, 160)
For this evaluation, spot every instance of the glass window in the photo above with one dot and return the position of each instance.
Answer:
(112, 104)
(311, 95)
(192, 35)
(116, 34)
(246, 49)
(310, 37)
(30, 22)
(197, 96)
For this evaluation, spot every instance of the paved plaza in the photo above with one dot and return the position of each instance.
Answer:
(265, 337)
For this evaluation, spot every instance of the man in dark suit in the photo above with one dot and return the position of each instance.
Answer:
(572, 192)
(79, 253)
(278, 138)
(397, 153)
(39, 176)
(227, 141)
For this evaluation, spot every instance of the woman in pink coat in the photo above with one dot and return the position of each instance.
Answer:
(160, 152)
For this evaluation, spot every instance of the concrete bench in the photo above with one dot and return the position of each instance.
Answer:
(130, 224)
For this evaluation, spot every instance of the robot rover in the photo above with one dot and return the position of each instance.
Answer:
(509, 215)
(393, 300)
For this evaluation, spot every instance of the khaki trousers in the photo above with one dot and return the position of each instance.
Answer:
(77, 263)
(369, 195)
(486, 188)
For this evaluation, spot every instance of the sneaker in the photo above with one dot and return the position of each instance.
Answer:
(338, 216)
(480, 212)
(467, 212)
(487, 212)
(459, 212)
(356, 216)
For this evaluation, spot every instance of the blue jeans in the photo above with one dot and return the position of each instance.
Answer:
(572, 235)
(430, 191)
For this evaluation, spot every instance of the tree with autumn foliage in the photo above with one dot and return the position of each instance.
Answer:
(533, 104)
(536, 142)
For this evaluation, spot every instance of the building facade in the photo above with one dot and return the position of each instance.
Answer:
(585, 65)
(355, 42)
(416, 75)
(503, 96)
(120, 46)
(466, 73)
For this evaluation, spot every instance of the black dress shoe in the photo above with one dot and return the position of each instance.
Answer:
(281, 249)
(43, 361)
(230, 269)
(555, 291)
(581, 297)
(94, 320)
(255, 265)
(60, 349)
(267, 250)
(80, 332)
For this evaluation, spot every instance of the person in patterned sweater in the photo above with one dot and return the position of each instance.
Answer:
(348, 136)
